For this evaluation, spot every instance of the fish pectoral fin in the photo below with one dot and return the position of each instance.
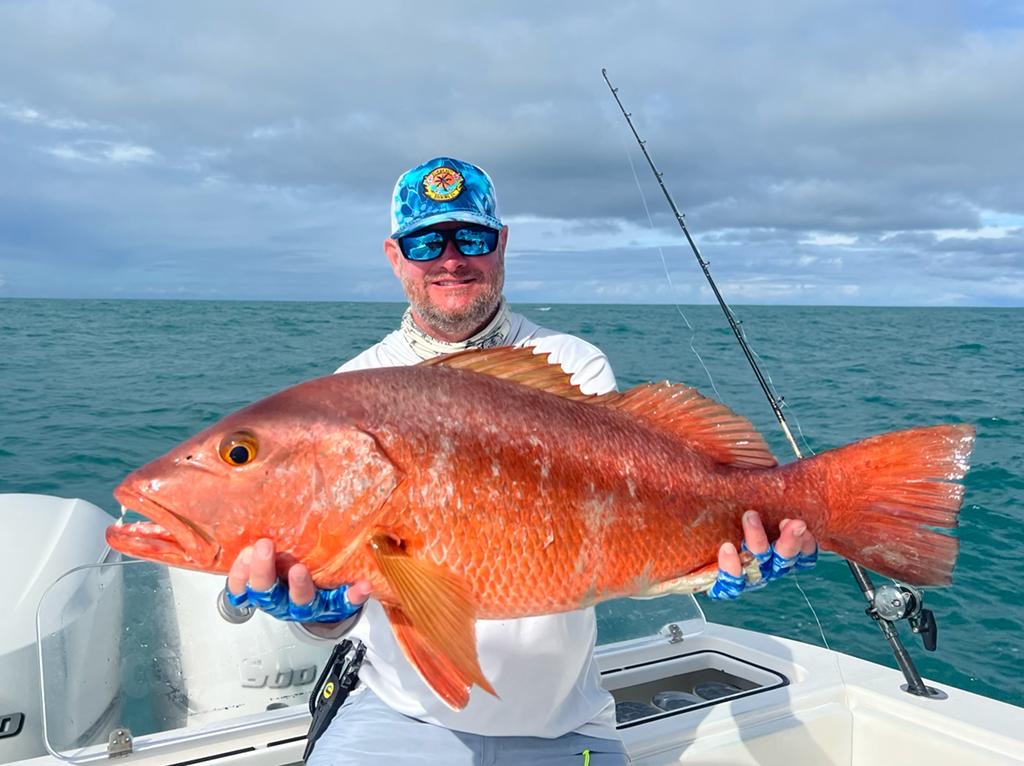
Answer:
(439, 672)
(699, 581)
(434, 622)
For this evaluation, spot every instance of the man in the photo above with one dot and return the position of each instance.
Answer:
(447, 248)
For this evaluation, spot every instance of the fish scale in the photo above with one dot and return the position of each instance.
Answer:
(485, 485)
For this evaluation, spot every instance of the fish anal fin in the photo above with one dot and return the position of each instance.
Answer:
(434, 621)
(704, 424)
(519, 365)
(700, 580)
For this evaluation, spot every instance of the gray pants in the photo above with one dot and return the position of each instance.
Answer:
(366, 731)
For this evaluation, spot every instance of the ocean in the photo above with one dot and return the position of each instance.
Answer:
(90, 390)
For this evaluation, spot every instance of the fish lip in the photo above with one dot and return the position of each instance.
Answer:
(197, 545)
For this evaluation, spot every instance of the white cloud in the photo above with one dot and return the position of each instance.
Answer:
(1007, 287)
(95, 151)
(29, 116)
(819, 239)
(985, 232)
(764, 288)
(290, 128)
(538, 234)
(792, 153)
(525, 284)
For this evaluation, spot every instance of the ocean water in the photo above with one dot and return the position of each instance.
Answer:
(90, 390)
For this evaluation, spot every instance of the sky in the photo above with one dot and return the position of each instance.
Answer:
(823, 151)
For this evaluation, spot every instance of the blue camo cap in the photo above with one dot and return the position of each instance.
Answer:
(442, 189)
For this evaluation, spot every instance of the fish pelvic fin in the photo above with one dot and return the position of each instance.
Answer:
(520, 365)
(434, 622)
(705, 425)
(886, 495)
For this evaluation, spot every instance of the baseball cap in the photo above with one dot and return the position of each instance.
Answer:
(442, 189)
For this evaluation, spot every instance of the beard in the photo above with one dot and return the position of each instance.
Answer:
(464, 321)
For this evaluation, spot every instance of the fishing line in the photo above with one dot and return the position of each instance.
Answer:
(693, 333)
(742, 332)
(814, 613)
(767, 384)
(783, 404)
(835, 654)
(922, 620)
(668, 274)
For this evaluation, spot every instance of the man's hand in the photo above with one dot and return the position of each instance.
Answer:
(253, 580)
(796, 548)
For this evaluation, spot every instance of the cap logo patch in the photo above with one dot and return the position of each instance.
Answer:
(442, 184)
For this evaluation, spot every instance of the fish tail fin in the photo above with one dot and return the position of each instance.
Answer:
(886, 496)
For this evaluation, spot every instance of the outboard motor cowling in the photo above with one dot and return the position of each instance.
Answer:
(41, 538)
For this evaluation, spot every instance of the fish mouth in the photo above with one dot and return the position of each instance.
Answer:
(168, 537)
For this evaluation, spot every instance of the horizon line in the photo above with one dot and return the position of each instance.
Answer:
(515, 303)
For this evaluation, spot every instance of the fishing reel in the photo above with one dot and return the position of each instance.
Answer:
(895, 602)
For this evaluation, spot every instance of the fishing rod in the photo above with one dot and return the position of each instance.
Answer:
(886, 604)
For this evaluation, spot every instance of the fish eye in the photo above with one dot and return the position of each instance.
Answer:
(238, 448)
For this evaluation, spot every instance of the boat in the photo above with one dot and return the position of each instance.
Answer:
(129, 660)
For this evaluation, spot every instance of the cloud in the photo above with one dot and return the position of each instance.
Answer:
(116, 153)
(29, 116)
(179, 131)
(984, 232)
(827, 240)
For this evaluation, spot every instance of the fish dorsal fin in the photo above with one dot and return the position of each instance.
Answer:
(704, 424)
(518, 364)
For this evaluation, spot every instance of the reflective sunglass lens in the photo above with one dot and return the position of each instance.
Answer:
(428, 245)
(475, 241)
(422, 247)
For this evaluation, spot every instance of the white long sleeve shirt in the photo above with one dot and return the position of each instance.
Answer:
(543, 667)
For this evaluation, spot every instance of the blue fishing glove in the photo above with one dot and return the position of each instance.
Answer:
(773, 566)
(727, 587)
(806, 563)
(326, 606)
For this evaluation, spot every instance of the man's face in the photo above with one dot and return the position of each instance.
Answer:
(454, 295)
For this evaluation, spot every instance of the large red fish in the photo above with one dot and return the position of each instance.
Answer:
(485, 485)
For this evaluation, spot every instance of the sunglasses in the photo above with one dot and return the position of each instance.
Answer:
(428, 244)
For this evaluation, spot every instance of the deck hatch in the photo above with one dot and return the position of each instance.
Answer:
(658, 689)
